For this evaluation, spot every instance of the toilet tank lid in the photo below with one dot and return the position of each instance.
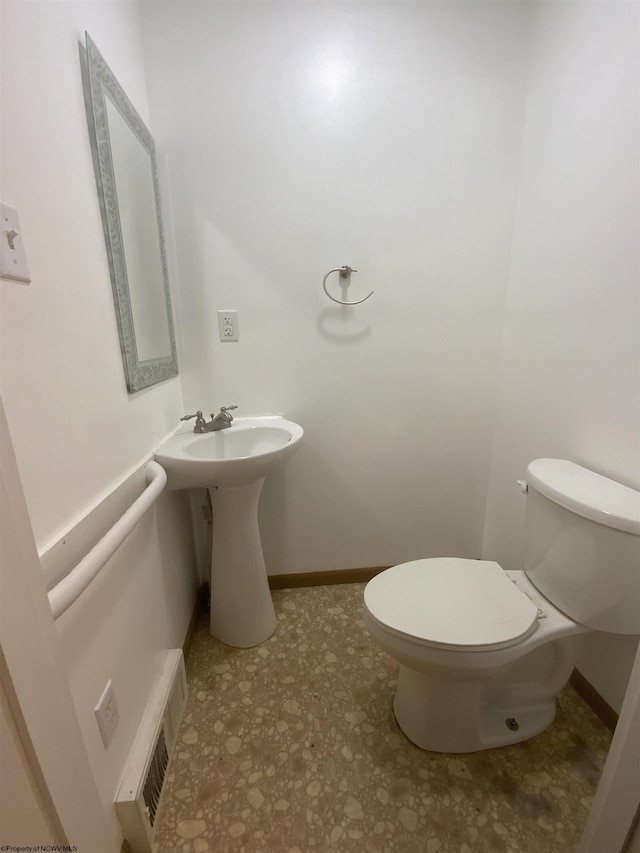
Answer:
(586, 493)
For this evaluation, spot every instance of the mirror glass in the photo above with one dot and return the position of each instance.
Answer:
(127, 179)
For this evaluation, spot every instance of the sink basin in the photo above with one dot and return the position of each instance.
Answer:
(232, 464)
(237, 456)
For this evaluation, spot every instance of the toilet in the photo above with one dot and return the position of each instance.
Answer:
(484, 652)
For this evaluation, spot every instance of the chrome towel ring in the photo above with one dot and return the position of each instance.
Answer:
(345, 272)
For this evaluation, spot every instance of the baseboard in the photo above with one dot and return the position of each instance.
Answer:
(594, 700)
(295, 581)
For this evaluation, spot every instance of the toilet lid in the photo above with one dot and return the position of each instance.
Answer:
(451, 602)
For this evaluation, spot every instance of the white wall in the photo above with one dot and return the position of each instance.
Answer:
(22, 814)
(390, 137)
(75, 429)
(120, 628)
(387, 137)
(302, 137)
(34, 683)
(77, 433)
(571, 356)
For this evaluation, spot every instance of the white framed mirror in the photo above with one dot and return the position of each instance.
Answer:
(128, 190)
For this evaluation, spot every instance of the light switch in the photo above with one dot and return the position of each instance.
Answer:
(13, 259)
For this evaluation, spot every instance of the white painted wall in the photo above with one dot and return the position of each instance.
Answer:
(33, 681)
(138, 607)
(571, 356)
(23, 814)
(387, 137)
(392, 137)
(302, 137)
(77, 433)
(613, 821)
(75, 429)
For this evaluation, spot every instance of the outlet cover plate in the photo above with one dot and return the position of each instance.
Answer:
(107, 714)
(228, 325)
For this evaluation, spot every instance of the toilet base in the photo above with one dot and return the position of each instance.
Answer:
(445, 715)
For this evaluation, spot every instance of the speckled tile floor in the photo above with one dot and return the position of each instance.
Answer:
(292, 746)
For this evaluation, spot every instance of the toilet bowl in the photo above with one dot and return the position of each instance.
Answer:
(451, 694)
(464, 632)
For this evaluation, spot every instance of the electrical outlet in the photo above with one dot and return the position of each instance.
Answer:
(228, 325)
(107, 714)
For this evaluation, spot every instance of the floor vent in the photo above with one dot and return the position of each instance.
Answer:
(140, 790)
(153, 786)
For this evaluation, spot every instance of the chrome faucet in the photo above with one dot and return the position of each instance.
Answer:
(220, 421)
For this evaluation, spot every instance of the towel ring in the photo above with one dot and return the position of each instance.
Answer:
(345, 272)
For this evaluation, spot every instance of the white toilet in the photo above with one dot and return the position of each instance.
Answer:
(462, 630)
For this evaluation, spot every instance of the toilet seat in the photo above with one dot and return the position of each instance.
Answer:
(451, 603)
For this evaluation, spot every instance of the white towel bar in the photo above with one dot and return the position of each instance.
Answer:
(71, 587)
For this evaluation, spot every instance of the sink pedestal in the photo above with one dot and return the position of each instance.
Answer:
(233, 463)
(242, 613)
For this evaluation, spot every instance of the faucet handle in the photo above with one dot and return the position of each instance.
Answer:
(225, 413)
(200, 421)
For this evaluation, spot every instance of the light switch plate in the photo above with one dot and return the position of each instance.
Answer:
(13, 259)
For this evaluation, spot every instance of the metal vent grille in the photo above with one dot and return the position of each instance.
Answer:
(140, 792)
(155, 777)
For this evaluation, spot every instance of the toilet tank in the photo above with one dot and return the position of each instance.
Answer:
(582, 544)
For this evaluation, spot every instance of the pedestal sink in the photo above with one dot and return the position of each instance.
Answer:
(233, 463)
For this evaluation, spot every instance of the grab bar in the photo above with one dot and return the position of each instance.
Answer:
(71, 587)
